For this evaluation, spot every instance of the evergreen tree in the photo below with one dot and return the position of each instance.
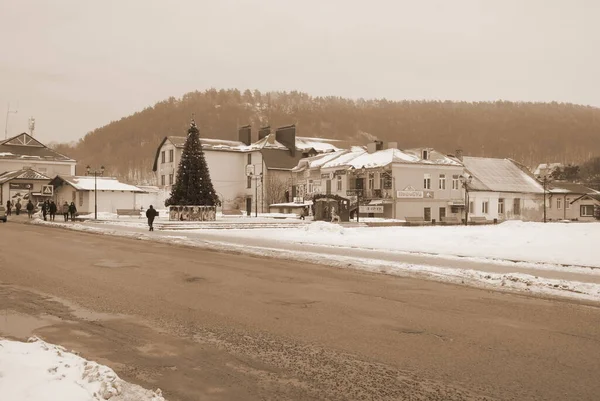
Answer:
(193, 186)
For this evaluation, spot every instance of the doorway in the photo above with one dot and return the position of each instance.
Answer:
(442, 213)
(427, 214)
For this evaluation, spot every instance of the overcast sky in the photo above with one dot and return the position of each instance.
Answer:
(76, 65)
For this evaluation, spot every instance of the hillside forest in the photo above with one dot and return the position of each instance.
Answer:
(530, 133)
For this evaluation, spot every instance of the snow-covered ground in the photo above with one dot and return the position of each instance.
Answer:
(553, 243)
(38, 371)
(553, 259)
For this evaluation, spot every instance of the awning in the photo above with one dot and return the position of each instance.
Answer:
(380, 202)
(459, 203)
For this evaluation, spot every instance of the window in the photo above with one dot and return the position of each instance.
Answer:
(442, 184)
(249, 181)
(249, 158)
(170, 179)
(339, 182)
(558, 203)
(171, 155)
(427, 181)
(310, 186)
(162, 156)
(586, 210)
(80, 199)
(567, 203)
(471, 207)
(162, 180)
(501, 206)
(74, 197)
(517, 206)
(427, 214)
(455, 182)
(425, 155)
(484, 207)
(371, 181)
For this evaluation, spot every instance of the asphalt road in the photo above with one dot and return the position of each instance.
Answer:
(218, 326)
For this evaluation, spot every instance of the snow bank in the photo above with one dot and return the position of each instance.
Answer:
(319, 227)
(38, 371)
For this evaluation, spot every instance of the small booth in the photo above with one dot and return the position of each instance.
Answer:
(331, 208)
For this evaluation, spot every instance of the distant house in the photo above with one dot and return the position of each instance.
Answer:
(111, 193)
(246, 175)
(26, 164)
(502, 189)
(546, 169)
(570, 201)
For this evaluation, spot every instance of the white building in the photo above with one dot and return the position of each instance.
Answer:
(502, 189)
(246, 175)
(111, 194)
(26, 164)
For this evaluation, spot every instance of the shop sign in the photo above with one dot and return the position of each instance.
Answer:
(327, 176)
(340, 172)
(370, 209)
(409, 194)
(14, 185)
(353, 192)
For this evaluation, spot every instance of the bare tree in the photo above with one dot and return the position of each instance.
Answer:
(275, 188)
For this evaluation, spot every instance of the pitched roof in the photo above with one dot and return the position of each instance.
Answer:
(276, 159)
(86, 183)
(500, 175)
(569, 187)
(24, 174)
(595, 197)
(25, 147)
(546, 168)
(433, 156)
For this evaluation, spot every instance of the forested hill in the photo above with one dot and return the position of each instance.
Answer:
(527, 132)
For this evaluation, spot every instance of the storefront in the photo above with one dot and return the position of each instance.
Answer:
(23, 185)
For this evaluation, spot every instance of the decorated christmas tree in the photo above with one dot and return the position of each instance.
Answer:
(193, 185)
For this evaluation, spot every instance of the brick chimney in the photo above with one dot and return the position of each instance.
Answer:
(287, 137)
(263, 132)
(245, 134)
(374, 146)
(459, 154)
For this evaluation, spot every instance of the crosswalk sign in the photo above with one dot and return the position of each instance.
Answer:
(48, 190)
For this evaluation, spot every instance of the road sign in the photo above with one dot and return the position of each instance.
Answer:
(47, 190)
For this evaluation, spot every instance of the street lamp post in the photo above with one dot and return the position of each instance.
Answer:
(95, 173)
(466, 180)
(256, 178)
(545, 184)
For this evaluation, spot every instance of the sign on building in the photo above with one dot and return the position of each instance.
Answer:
(353, 192)
(327, 176)
(250, 169)
(409, 194)
(26, 187)
(47, 190)
(370, 209)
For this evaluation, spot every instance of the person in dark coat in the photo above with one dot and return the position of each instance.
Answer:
(72, 211)
(151, 213)
(302, 214)
(65, 211)
(18, 207)
(29, 208)
(53, 209)
(44, 210)
(8, 208)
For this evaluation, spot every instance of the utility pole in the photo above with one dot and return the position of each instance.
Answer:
(8, 111)
(95, 173)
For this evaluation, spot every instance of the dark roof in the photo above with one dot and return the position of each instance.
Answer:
(280, 159)
(569, 187)
(24, 174)
(25, 147)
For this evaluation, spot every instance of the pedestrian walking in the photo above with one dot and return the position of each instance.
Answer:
(72, 211)
(151, 213)
(8, 208)
(65, 211)
(29, 208)
(302, 214)
(53, 209)
(44, 210)
(18, 207)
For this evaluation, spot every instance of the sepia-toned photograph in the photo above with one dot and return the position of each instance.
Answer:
(319, 200)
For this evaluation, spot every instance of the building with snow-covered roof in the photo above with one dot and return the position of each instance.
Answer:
(502, 189)
(25, 163)
(246, 175)
(111, 193)
(568, 201)
(390, 182)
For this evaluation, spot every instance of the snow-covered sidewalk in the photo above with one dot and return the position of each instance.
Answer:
(38, 371)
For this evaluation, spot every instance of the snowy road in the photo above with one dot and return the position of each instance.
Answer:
(218, 326)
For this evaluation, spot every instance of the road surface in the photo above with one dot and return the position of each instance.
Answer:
(216, 326)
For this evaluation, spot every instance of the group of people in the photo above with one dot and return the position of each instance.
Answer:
(49, 209)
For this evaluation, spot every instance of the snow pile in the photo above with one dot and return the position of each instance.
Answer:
(38, 371)
(324, 227)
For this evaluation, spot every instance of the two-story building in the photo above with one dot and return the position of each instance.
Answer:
(246, 175)
(25, 167)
